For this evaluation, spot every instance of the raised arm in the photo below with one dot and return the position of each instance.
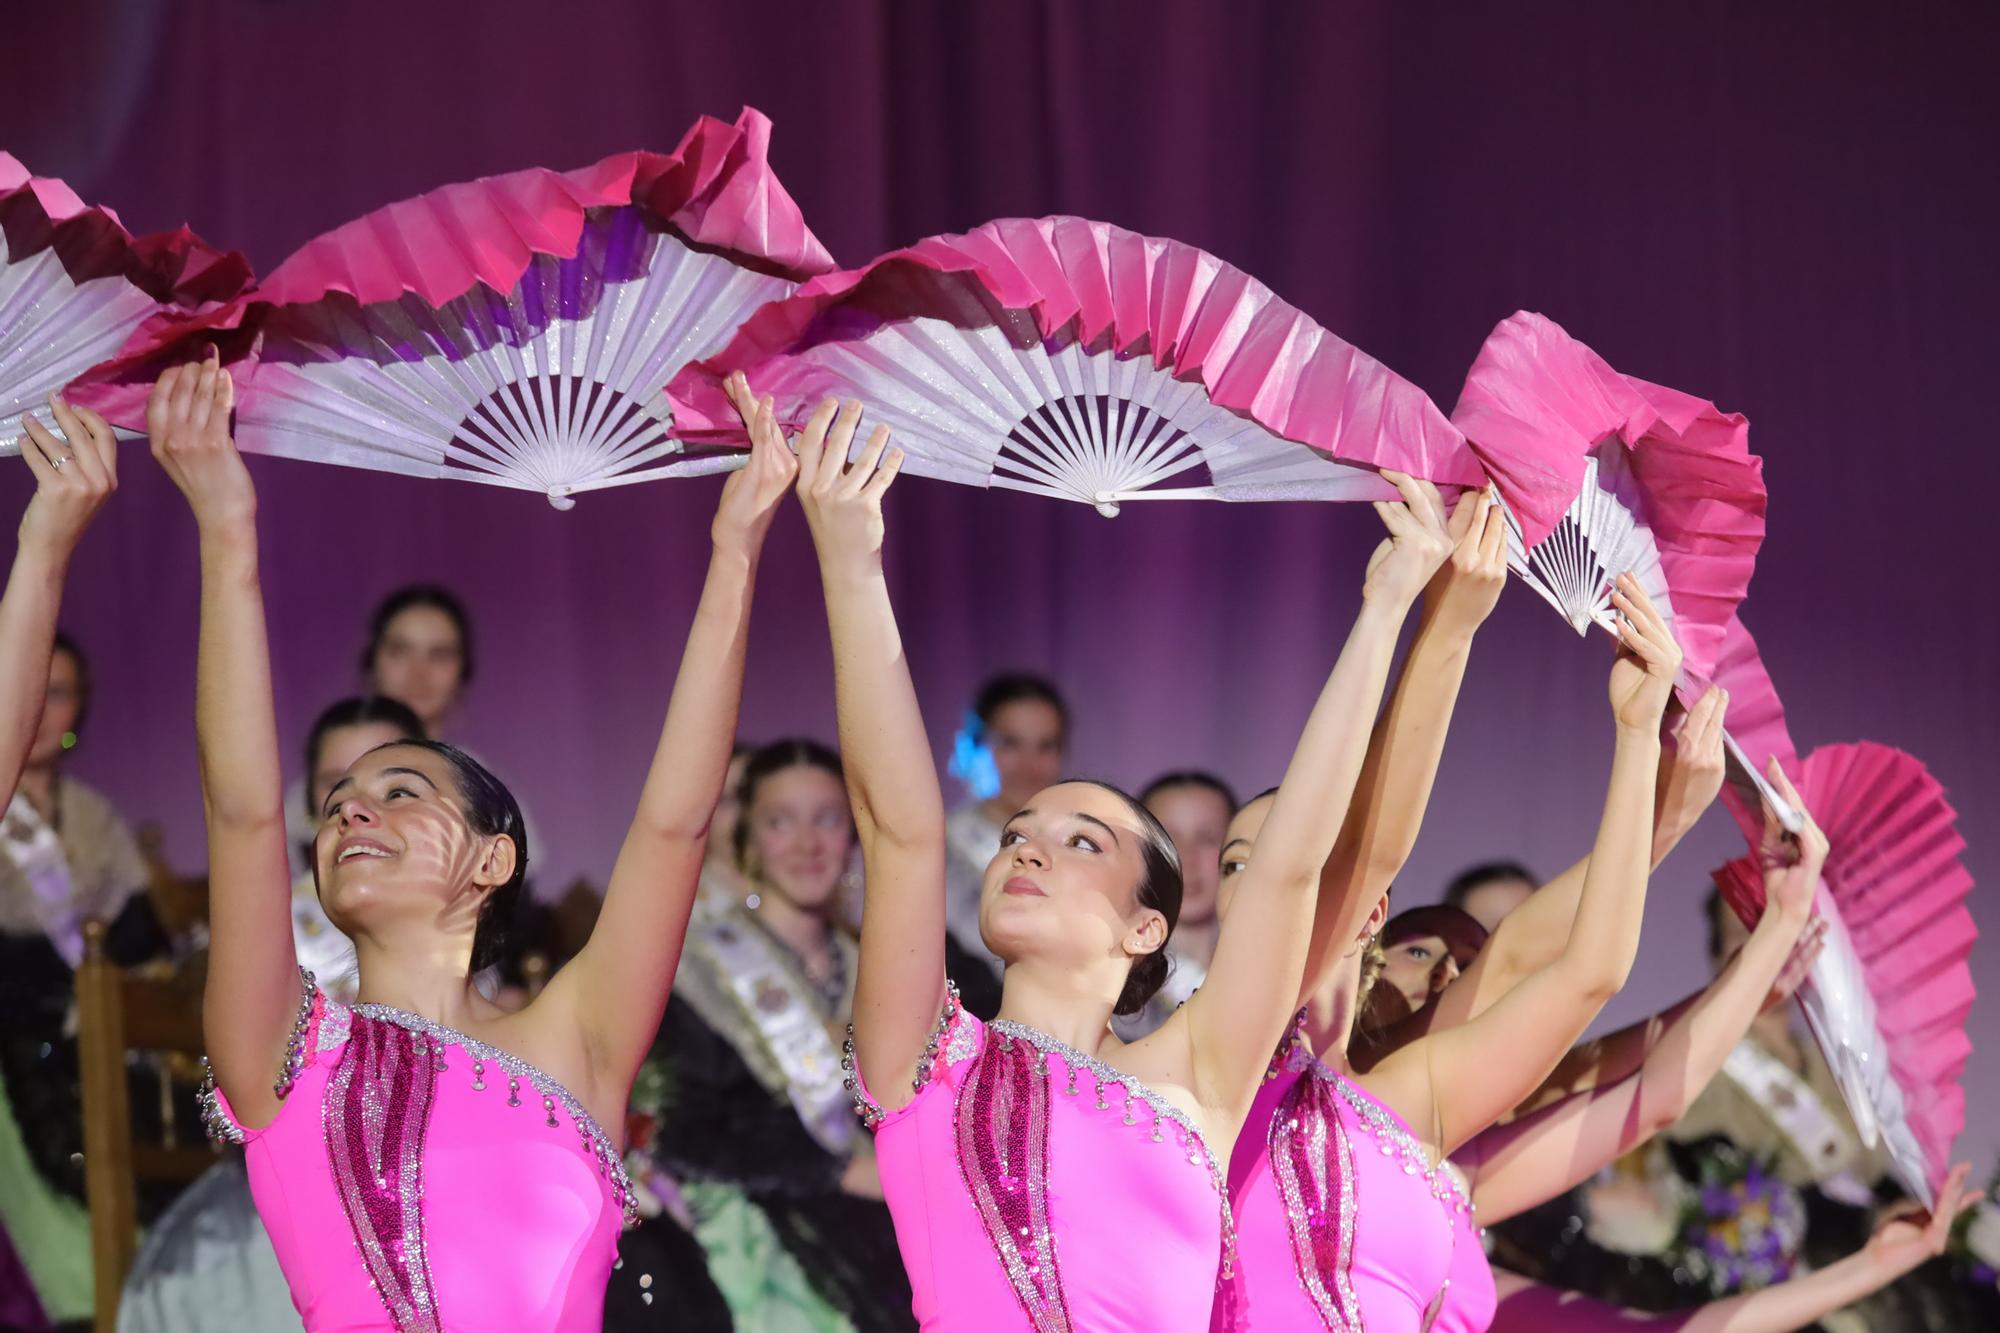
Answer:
(1515, 1166)
(1403, 753)
(1252, 986)
(1900, 1244)
(1463, 1079)
(75, 474)
(252, 992)
(892, 782)
(1533, 933)
(620, 980)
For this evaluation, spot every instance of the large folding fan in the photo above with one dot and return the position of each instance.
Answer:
(1602, 474)
(1888, 998)
(516, 330)
(75, 285)
(1081, 361)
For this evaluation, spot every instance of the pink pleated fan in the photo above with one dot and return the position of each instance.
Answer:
(1081, 361)
(1603, 474)
(516, 330)
(1889, 997)
(75, 285)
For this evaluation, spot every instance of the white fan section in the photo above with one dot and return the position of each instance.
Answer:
(52, 330)
(501, 388)
(1841, 1014)
(996, 405)
(1573, 569)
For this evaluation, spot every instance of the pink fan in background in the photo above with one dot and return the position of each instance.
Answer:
(516, 330)
(1889, 997)
(1603, 474)
(1081, 361)
(75, 285)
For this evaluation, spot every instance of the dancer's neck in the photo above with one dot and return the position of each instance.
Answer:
(430, 977)
(1061, 1001)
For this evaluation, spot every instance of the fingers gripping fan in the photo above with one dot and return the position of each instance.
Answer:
(518, 330)
(75, 285)
(1081, 361)
(1889, 996)
(1602, 474)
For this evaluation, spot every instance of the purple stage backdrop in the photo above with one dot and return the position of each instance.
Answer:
(1786, 207)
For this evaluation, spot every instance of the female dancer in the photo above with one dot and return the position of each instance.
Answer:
(422, 1160)
(1346, 1217)
(1041, 1175)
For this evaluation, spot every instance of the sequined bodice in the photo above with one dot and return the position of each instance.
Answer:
(1342, 1224)
(1034, 1187)
(417, 1178)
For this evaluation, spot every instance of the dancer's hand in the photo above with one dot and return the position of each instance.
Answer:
(1908, 1236)
(1791, 861)
(843, 502)
(1417, 544)
(187, 418)
(1467, 586)
(1691, 770)
(75, 473)
(751, 495)
(1642, 679)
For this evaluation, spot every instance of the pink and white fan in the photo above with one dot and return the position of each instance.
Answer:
(1602, 474)
(1081, 361)
(516, 330)
(75, 285)
(1889, 996)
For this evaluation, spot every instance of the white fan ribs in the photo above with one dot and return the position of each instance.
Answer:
(556, 385)
(996, 405)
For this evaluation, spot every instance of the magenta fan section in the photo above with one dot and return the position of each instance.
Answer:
(516, 330)
(1605, 474)
(75, 285)
(1081, 361)
(1890, 995)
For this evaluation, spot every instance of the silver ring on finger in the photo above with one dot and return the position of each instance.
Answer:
(62, 461)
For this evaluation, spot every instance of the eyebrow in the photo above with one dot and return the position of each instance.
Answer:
(348, 781)
(1077, 814)
(1235, 842)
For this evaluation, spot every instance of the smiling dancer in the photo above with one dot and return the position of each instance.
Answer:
(423, 1160)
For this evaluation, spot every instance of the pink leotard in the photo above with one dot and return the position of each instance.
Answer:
(1341, 1222)
(1034, 1187)
(415, 1178)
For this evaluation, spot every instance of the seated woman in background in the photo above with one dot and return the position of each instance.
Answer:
(1195, 809)
(418, 654)
(744, 1093)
